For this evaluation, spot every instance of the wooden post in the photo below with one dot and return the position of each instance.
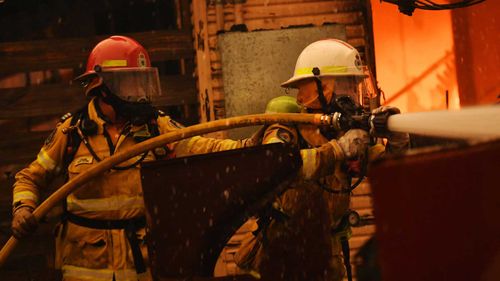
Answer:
(203, 71)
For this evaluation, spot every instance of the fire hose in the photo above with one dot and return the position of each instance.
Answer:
(108, 163)
(457, 125)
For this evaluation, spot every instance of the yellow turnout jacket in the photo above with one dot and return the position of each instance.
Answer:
(100, 254)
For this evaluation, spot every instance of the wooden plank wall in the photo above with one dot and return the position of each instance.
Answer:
(38, 102)
(210, 17)
(36, 89)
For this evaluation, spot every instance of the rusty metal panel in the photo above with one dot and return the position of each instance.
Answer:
(195, 203)
(254, 64)
(437, 215)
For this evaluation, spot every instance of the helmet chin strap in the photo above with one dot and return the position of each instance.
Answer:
(325, 106)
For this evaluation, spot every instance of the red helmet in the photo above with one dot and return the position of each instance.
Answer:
(121, 63)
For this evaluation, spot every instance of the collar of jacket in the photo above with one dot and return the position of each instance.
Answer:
(96, 115)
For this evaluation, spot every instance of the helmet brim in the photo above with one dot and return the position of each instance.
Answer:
(292, 82)
(85, 76)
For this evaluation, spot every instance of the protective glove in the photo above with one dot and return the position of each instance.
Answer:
(23, 222)
(354, 144)
(256, 138)
(396, 142)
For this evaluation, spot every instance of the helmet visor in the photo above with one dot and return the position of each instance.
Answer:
(351, 86)
(133, 84)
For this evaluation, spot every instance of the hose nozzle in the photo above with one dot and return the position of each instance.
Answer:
(378, 124)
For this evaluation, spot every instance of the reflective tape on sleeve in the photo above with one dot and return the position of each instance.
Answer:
(273, 140)
(25, 195)
(309, 162)
(46, 161)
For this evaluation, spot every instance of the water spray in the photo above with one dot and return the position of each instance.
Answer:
(479, 123)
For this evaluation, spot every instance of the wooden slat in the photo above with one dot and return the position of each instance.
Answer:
(72, 53)
(363, 230)
(21, 148)
(57, 99)
(266, 3)
(361, 202)
(283, 22)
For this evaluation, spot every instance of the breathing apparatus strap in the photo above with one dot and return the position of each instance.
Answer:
(347, 259)
(324, 105)
(343, 233)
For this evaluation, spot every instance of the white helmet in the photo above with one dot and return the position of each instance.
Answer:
(331, 56)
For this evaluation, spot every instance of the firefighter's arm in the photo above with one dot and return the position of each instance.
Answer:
(48, 163)
(197, 144)
(319, 162)
(315, 161)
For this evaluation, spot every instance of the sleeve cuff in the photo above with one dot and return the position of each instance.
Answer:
(337, 150)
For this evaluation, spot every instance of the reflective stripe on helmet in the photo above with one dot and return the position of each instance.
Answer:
(323, 70)
(114, 63)
(115, 203)
(25, 195)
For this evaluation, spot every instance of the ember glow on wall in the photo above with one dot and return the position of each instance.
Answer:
(415, 58)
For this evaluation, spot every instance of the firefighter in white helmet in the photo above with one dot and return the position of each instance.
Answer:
(306, 221)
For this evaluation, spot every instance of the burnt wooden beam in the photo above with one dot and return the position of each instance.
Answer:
(50, 54)
(57, 99)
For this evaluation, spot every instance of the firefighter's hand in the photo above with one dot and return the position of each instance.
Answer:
(23, 222)
(385, 112)
(386, 109)
(256, 138)
(354, 144)
(396, 142)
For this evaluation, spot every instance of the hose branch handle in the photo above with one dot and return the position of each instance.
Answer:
(343, 122)
(378, 124)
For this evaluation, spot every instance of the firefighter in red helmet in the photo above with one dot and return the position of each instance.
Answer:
(102, 235)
